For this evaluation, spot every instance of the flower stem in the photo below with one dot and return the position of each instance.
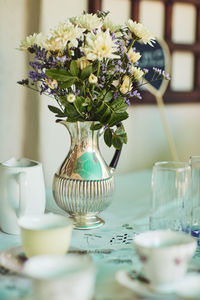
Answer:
(131, 45)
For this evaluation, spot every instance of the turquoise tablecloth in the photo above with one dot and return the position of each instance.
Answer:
(110, 246)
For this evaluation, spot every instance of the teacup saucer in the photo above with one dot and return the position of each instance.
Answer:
(142, 288)
(12, 260)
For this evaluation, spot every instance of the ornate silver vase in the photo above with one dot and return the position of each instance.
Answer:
(83, 186)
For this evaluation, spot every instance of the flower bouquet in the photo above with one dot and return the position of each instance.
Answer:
(89, 66)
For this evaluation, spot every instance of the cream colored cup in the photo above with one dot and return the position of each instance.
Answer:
(45, 234)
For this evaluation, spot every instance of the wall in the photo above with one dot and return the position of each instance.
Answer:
(28, 129)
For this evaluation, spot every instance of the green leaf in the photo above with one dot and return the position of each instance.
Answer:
(96, 126)
(108, 137)
(123, 138)
(116, 118)
(123, 107)
(75, 119)
(74, 68)
(60, 75)
(86, 72)
(117, 102)
(78, 103)
(54, 109)
(116, 141)
(100, 108)
(67, 84)
(106, 116)
(70, 110)
(108, 96)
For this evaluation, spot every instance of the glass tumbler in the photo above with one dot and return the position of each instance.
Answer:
(171, 206)
(195, 195)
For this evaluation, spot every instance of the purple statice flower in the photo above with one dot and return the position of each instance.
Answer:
(165, 75)
(135, 94)
(103, 78)
(34, 75)
(118, 42)
(61, 58)
(23, 81)
(127, 56)
(113, 36)
(36, 64)
(121, 49)
(41, 53)
(157, 70)
(100, 85)
(122, 70)
(161, 73)
(94, 97)
(43, 88)
(103, 68)
(115, 95)
(145, 71)
(76, 93)
(119, 62)
(95, 30)
(127, 101)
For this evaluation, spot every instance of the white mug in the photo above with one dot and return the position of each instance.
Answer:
(22, 192)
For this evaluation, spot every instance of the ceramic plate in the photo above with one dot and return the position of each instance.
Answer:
(13, 259)
(140, 287)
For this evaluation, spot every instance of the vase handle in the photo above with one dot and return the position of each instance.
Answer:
(115, 159)
(116, 156)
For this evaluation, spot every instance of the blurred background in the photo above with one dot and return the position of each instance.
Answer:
(28, 128)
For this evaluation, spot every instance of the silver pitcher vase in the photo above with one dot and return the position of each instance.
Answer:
(84, 184)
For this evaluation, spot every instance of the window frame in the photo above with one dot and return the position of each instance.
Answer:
(170, 95)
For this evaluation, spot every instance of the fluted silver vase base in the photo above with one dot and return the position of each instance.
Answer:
(87, 222)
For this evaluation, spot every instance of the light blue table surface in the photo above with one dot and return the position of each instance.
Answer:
(111, 245)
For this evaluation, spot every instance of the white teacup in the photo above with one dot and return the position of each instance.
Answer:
(45, 234)
(165, 255)
(22, 192)
(69, 277)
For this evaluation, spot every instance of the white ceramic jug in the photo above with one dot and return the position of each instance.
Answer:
(22, 192)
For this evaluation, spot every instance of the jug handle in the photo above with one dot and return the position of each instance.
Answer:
(116, 156)
(22, 181)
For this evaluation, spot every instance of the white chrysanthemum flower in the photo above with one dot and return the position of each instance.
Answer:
(115, 83)
(93, 79)
(54, 45)
(71, 98)
(87, 21)
(64, 33)
(83, 62)
(108, 24)
(126, 85)
(100, 46)
(137, 73)
(140, 32)
(29, 41)
(134, 56)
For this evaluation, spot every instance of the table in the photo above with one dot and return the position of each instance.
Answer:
(110, 246)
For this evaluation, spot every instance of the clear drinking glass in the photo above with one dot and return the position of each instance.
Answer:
(171, 205)
(195, 195)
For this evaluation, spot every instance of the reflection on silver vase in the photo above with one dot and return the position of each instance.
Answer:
(83, 186)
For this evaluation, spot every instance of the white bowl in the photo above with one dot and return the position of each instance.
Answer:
(165, 255)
